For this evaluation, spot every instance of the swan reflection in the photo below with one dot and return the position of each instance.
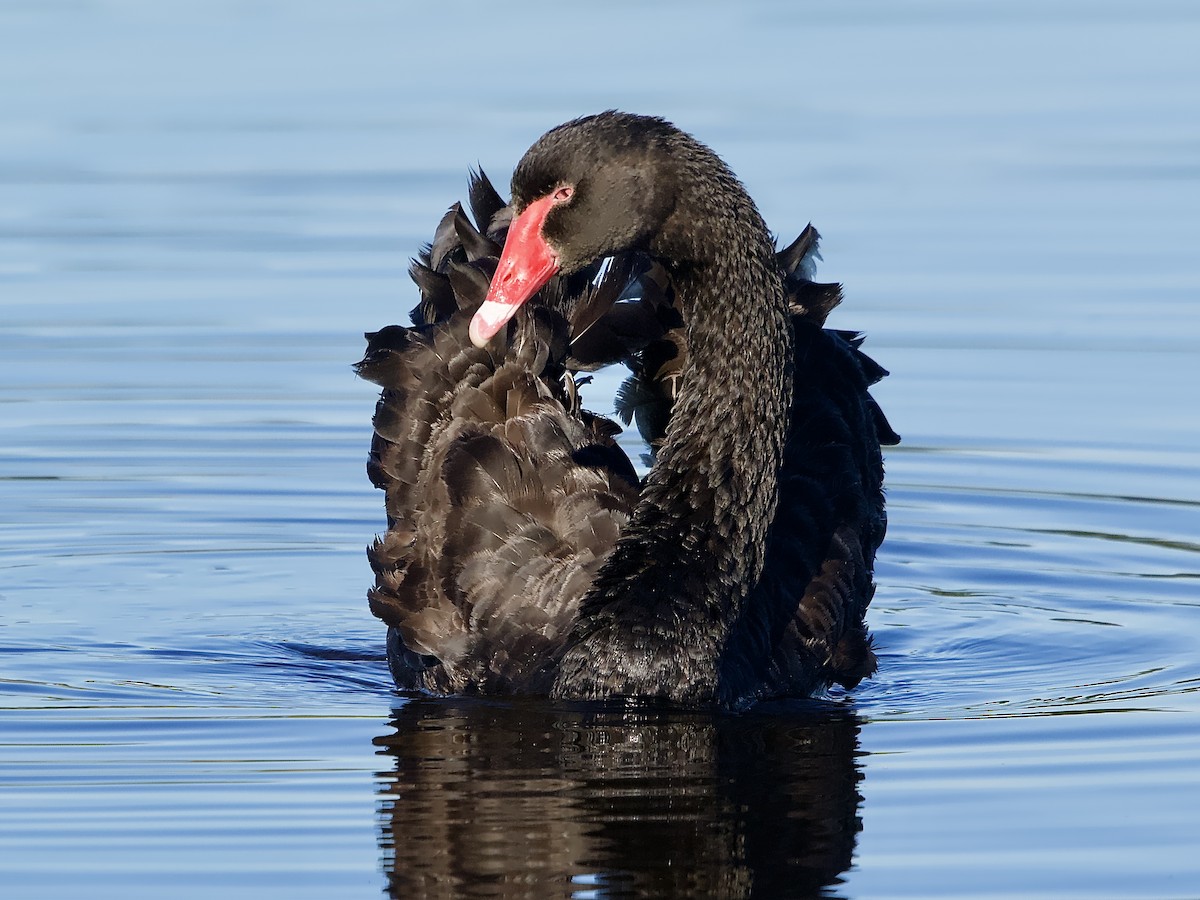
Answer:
(533, 800)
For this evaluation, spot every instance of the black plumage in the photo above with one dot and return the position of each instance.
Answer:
(522, 554)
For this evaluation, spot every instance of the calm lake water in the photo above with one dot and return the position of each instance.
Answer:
(204, 204)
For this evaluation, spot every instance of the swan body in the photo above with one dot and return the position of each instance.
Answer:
(523, 554)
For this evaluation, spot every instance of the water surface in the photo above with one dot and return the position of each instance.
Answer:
(202, 206)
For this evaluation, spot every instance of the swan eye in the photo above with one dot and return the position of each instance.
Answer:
(564, 193)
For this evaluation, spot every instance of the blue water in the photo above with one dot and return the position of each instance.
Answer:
(203, 206)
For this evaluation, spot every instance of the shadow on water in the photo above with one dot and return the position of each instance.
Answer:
(531, 799)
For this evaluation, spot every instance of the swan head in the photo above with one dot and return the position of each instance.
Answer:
(591, 188)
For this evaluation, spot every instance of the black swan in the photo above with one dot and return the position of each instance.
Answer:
(522, 553)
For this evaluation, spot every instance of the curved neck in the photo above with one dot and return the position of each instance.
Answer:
(730, 420)
(695, 545)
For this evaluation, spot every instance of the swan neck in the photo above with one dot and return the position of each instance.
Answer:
(696, 544)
